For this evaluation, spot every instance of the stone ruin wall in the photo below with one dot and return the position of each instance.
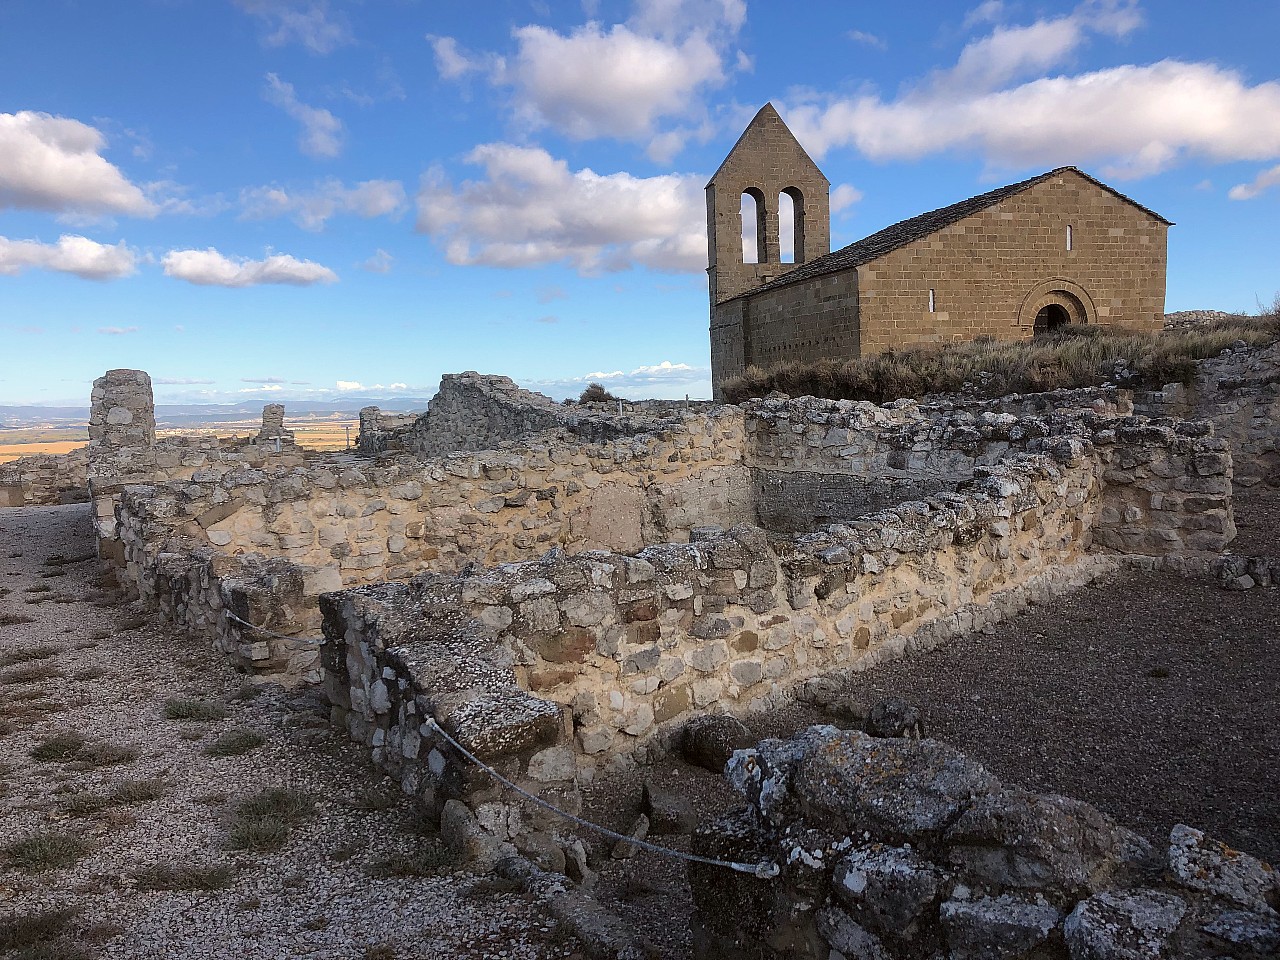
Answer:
(1239, 392)
(900, 848)
(45, 479)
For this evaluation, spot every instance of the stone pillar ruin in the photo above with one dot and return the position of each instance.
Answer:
(370, 441)
(273, 426)
(122, 439)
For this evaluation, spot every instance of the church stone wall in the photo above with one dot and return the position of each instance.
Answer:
(984, 268)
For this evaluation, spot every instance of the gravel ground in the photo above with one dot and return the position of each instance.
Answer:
(332, 890)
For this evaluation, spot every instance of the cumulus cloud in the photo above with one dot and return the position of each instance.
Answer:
(310, 209)
(844, 196)
(55, 163)
(346, 386)
(620, 80)
(1263, 182)
(209, 268)
(117, 331)
(310, 24)
(71, 254)
(532, 210)
(1136, 120)
(322, 134)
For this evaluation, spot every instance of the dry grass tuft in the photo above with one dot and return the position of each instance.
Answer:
(183, 708)
(32, 929)
(32, 673)
(1069, 358)
(262, 822)
(427, 860)
(165, 876)
(42, 651)
(61, 746)
(8, 619)
(44, 850)
(235, 743)
(72, 747)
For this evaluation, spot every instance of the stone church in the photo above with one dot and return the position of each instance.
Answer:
(1058, 248)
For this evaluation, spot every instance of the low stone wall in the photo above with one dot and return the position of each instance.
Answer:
(897, 848)
(45, 478)
(395, 518)
(1239, 392)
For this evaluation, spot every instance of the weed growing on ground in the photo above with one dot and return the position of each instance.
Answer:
(262, 822)
(32, 673)
(165, 876)
(379, 951)
(131, 623)
(89, 673)
(39, 588)
(371, 799)
(57, 560)
(182, 708)
(61, 746)
(32, 929)
(234, 743)
(13, 619)
(426, 860)
(100, 635)
(44, 850)
(51, 574)
(26, 654)
(72, 746)
(248, 691)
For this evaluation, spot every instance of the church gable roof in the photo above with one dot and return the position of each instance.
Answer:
(922, 225)
(767, 128)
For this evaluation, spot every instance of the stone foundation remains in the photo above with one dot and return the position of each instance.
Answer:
(562, 602)
(905, 848)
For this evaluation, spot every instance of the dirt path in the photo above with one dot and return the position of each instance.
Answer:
(123, 797)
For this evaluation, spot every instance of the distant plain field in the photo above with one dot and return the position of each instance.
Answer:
(312, 435)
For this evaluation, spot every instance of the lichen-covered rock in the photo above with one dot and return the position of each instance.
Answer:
(890, 890)
(848, 938)
(1126, 925)
(998, 928)
(1245, 929)
(1022, 840)
(1201, 863)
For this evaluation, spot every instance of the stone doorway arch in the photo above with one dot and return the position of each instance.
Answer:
(1055, 303)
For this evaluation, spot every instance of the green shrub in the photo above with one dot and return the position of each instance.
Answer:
(262, 822)
(166, 876)
(44, 850)
(234, 743)
(188, 709)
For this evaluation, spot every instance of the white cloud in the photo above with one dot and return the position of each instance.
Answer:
(309, 24)
(346, 386)
(54, 163)
(179, 381)
(211, 269)
(322, 132)
(844, 196)
(117, 331)
(531, 210)
(263, 380)
(1263, 182)
(311, 209)
(453, 63)
(71, 254)
(868, 39)
(380, 262)
(620, 80)
(1137, 120)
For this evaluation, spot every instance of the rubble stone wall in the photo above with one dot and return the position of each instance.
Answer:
(45, 478)
(732, 620)
(1239, 393)
(900, 848)
(392, 519)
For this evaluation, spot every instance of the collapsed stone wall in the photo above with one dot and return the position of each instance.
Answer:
(603, 655)
(898, 848)
(1239, 392)
(391, 519)
(44, 479)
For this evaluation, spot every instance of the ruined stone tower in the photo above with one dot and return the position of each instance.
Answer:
(765, 164)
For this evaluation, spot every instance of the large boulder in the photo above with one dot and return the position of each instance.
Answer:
(709, 741)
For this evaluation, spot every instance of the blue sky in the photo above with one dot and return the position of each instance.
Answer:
(297, 198)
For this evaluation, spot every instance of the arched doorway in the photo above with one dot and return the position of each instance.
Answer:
(1052, 304)
(1050, 317)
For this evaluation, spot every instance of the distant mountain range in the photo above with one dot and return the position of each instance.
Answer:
(196, 414)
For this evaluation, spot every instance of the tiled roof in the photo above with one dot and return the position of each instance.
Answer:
(920, 226)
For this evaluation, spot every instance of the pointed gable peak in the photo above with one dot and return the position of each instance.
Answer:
(766, 129)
